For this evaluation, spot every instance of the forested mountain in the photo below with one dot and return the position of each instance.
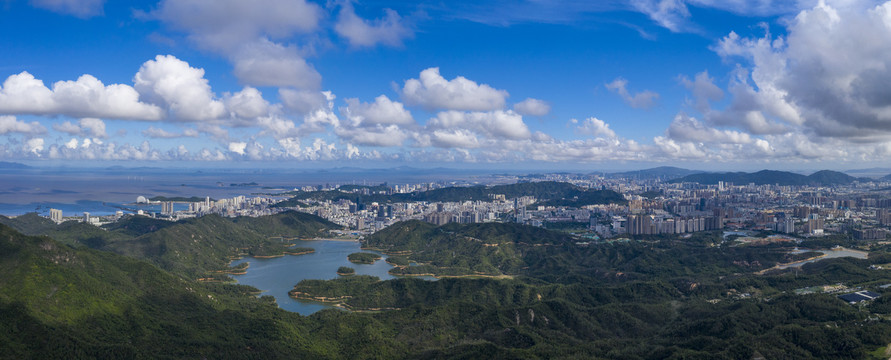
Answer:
(661, 172)
(819, 178)
(58, 302)
(197, 247)
(652, 297)
(486, 249)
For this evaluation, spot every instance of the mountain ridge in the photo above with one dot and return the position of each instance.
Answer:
(770, 177)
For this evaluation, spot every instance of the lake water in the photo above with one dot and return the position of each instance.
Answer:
(277, 276)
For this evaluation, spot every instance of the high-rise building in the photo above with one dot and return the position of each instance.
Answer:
(438, 218)
(814, 224)
(86, 217)
(883, 216)
(56, 215)
(167, 208)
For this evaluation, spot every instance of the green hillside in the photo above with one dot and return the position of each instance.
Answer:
(29, 224)
(485, 249)
(202, 247)
(63, 303)
(640, 299)
(819, 178)
(197, 247)
(543, 191)
(134, 225)
(289, 224)
(70, 232)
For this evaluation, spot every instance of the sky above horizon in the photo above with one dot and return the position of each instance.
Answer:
(706, 84)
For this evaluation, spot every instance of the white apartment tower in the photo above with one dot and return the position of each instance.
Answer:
(56, 215)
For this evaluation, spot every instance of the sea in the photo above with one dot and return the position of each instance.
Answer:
(103, 191)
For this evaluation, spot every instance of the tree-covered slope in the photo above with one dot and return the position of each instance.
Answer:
(64, 303)
(197, 247)
(28, 224)
(70, 232)
(485, 249)
(819, 178)
(829, 177)
(136, 225)
(659, 297)
(289, 224)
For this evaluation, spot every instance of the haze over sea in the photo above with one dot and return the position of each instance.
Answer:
(100, 190)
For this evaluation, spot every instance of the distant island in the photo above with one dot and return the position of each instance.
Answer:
(245, 184)
(661, 172)
(13, 165)
(363, 258)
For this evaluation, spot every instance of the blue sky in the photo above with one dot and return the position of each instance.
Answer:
(494, 84)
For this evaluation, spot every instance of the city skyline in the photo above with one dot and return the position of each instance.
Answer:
(543, 84)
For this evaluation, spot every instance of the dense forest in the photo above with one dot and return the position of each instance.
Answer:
(515, 292)
(363, 258)
(198, 247)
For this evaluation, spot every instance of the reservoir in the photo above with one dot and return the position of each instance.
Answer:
(277, 276)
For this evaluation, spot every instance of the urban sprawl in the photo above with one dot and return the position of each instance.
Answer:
(862, 209)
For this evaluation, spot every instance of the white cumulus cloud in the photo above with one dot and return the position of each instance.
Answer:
(596, 127)
(86, 97)
(496, 124)
(34, 145)
(828, 75)
(246, 104)
(237, 147)
(532, 107)
(433, 91)
(687, 128)
(10, 125)
(169, 81)
(382, 111)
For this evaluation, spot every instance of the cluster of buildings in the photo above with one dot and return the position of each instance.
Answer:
(231, 207)
(57, 216)
(653, 207)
